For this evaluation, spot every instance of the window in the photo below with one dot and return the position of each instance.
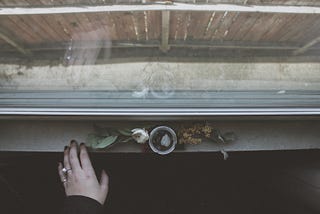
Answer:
(166, 58)
(99, 61)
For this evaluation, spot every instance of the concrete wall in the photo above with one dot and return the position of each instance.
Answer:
(154, 75)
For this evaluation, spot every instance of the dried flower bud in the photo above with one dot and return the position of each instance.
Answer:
(165, 141)
(140, 135)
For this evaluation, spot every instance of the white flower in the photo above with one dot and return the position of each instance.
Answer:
(140, 135)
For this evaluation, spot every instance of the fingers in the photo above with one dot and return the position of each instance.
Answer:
(73, 156)
(85, 160)
(104, 181)
(66, 162)
(62, 175)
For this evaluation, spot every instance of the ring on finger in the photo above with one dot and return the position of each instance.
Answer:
(64, 180)
(65, 170)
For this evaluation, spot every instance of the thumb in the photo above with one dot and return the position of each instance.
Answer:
(104, 181)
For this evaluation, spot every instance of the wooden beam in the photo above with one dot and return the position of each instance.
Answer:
(234, 45)
(165, 25)
(10, 40)
(159, 6)
(176, 43)
(307, 46)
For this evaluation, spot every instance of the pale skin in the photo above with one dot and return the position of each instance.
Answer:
(81, 179)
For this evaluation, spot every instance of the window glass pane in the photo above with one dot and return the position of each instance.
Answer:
(140, 54)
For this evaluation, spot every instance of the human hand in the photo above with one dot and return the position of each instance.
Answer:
(78, 176)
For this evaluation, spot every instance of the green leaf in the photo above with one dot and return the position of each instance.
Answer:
(125, 132)
(104, 142)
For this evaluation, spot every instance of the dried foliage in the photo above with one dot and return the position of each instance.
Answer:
(194, 134)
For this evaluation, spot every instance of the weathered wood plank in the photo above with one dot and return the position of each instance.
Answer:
(246, 25)
(124, 26)
(173, 24)
(22, 23)
(153, 24)
(6, 36)
(299, 28)
(197, 28)
(107, 26)
(18, 30)
(180, 29)
(237, 25)
(100, 28)
(289, 26)
(138, 18)
(110, 21)
(251, 28)
(261, 26)
(312, 32)
(89, 28)
(46, 28)
(55, 25)
(59, 23)
(136, 26)
(278, 25)
(213, 24)
(223, 29)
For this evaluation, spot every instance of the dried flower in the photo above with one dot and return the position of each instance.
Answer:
(207, 130)
(165, 141)
(140, 135)
(194, 134)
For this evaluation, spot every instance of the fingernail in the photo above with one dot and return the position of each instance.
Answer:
(73, 142)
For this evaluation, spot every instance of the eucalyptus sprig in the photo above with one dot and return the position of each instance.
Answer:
(100, 142)
(105, 137)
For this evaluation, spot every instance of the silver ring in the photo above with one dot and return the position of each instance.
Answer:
(64, 180)
(65, 170)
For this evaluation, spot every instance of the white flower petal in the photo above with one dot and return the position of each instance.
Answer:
(140, 135)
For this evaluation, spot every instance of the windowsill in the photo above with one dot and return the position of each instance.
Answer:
(261, 135)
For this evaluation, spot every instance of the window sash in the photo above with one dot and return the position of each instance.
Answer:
(182, 103)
